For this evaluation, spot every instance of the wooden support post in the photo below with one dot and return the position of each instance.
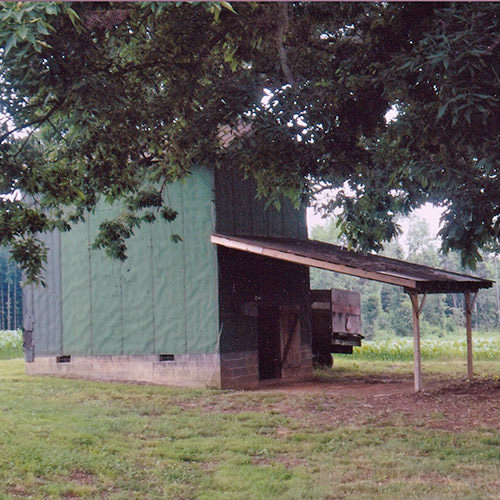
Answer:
(417, 358)
(469, 305)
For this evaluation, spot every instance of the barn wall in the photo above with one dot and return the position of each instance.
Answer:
(42, 310)
(239, 212)
(250, 287)
(161, 300)
(249, 281)
(188, 370)
(115, 318)
(248, 284)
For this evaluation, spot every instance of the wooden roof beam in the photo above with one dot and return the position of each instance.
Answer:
(310, 261)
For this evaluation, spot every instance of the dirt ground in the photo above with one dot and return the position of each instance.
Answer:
(451, 404)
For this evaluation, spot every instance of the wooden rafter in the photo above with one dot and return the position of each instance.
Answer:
(412, 277)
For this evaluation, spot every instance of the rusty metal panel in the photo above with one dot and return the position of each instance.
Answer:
(346, 311)
(336, 317)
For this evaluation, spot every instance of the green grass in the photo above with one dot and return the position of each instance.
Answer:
(11, 344)
(67, 439)
(486, 347)
(348, 368)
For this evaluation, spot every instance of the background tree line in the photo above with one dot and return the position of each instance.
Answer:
(11, 317)
(386, 309)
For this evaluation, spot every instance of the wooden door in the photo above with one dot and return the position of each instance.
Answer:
(269, 342)
(290, 341)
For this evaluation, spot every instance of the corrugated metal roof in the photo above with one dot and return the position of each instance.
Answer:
(413, 277)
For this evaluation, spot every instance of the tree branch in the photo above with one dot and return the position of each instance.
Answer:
(31, 123)
(280, 36)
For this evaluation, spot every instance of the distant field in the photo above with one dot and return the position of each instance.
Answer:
(486, 347)
(357, 433)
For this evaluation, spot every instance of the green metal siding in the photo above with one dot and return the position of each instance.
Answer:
(165, 297)
(162, 299)
(239, 212)
(250, 281)
(76, 291)
(42, 305)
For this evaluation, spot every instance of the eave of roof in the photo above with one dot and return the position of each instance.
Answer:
(413, 277)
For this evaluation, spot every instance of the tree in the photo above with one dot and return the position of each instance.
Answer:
(10, 293)
(420, 243)
(114, 101)
(385, 309)
(371, 311)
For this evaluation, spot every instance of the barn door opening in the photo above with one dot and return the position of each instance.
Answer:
(269, 342)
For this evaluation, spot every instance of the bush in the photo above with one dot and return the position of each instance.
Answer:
(11, 344)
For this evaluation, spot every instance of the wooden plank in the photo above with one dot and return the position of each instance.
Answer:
(325, 306)
(290, 341)
(320, 295)
(468, 329)
(309, 261)
(346, 302)
(351, 309)
(352, 342)
(417, 359)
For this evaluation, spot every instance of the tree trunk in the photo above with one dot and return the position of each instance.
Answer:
(2, 310)
(9, 324)
(15, 300)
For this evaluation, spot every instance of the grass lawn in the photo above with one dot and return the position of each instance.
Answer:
(71, 439)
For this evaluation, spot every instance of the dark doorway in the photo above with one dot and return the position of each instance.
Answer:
(269, 342)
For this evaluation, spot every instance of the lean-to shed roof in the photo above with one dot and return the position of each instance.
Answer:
(413, 277)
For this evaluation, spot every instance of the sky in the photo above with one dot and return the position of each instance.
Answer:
(428, 212)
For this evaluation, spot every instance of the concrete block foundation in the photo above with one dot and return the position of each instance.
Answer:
(186, 370)
(239, 370)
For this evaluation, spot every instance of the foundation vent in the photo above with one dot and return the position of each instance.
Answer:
(63, 359)
(166, 357)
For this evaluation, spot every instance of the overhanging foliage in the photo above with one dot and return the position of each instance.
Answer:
(115, 101)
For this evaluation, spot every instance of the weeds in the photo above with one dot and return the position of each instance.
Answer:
(11, 344)
(63, 439)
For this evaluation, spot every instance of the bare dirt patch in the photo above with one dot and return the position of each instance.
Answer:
(19, 492)
(81, 477)
(451, 404)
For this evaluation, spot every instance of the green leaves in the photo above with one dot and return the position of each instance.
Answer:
(30, 253)
(168, 214)
(25, 23)
(105, 110)
(113, 235)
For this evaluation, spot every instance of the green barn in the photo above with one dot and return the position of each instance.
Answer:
(187, 313)
(228, 306)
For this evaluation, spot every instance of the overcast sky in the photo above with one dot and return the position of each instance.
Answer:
(429, 212)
